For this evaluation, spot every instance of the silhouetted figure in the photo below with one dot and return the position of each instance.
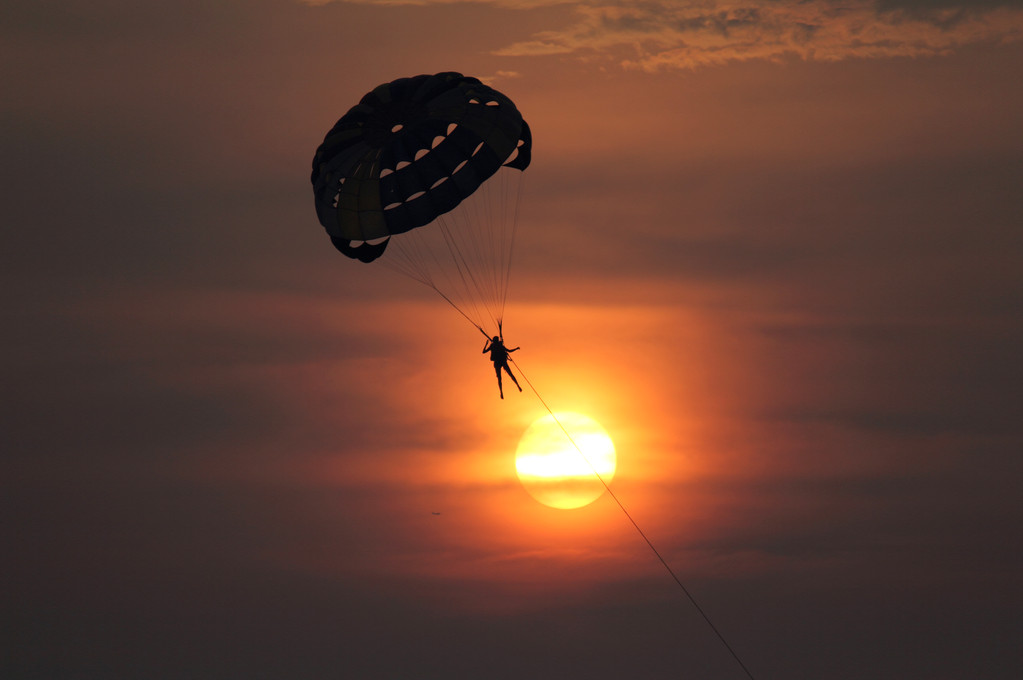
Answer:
(499, 355)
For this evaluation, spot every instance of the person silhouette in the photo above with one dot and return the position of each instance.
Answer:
(499, 355)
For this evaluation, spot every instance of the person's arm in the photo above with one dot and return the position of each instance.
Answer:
(486, 346)
(513, 350)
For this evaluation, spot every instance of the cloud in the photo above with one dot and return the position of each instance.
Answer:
(654, 35)
(668, 35)
(500, 75)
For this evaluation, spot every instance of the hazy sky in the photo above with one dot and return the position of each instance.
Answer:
(773, 247)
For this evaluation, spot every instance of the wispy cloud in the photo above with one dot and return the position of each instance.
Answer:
(653, 35)
(500, 75)
(666, 35)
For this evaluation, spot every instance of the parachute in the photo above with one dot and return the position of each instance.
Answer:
(433, 162)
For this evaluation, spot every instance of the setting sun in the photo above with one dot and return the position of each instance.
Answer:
(552, 469)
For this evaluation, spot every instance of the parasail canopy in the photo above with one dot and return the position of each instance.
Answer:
(402, 160)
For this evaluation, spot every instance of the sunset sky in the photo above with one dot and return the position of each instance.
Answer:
(773, 247)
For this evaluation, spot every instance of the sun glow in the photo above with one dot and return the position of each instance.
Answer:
(554, 471)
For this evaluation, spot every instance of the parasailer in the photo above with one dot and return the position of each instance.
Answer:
(422, 176)
(499, 355)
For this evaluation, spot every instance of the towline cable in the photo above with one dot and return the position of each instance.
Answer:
(621, 506)
(649, 543)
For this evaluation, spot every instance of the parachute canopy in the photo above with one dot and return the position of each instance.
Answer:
(436, 160)
(410, 151)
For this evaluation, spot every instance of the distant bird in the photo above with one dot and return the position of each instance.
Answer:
(434, 513)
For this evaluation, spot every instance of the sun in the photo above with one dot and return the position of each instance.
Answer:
(552, 469)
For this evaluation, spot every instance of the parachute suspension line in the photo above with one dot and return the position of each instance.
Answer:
(411, 262)
(649, 543)
(481, 230)
(489, 226)
(495, 237)
(479, 239)
(499, 212)
(507, 261)
(465, 256)
(458, 309)
(487, 230)
(465, 268)
(411, 257)
(419, 257)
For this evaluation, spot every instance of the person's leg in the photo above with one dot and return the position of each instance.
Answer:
(500, 388)
(512, 376)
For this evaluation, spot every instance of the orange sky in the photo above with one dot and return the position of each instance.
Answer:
(772, 247)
